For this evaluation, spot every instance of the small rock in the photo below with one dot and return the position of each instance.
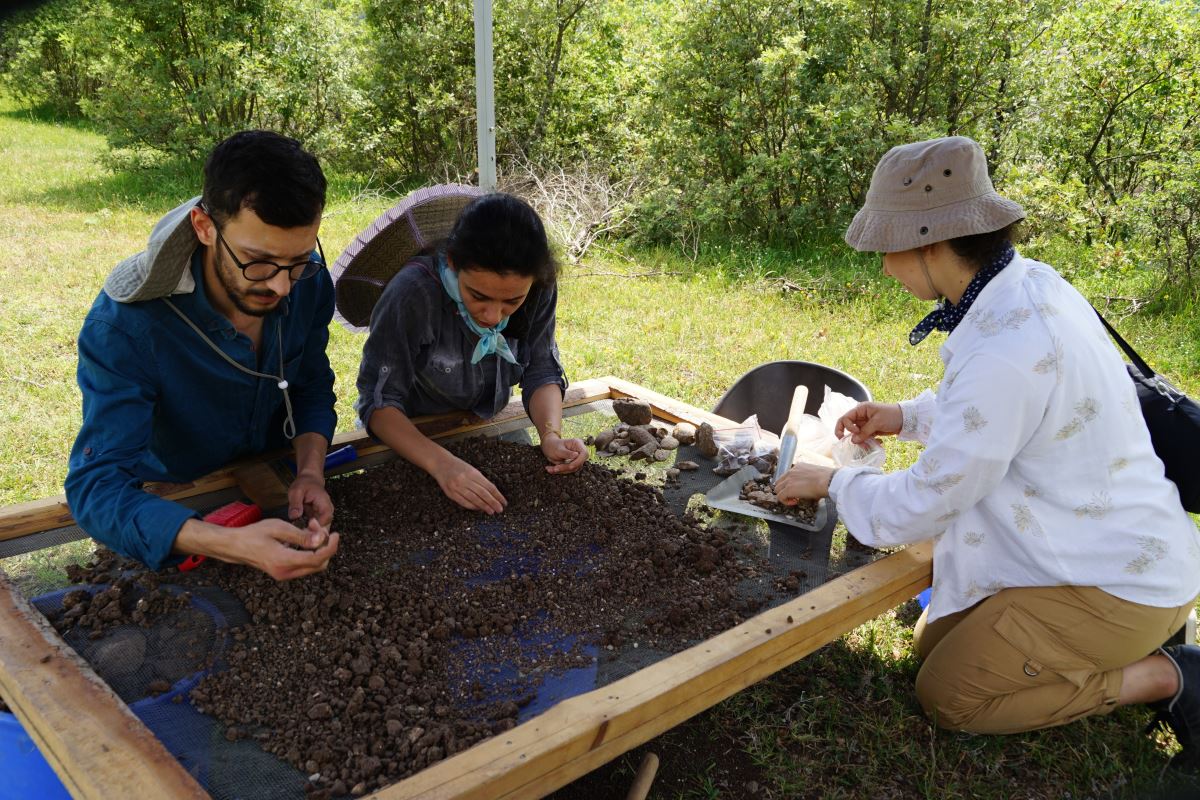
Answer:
(604, 439)
(687, 466)
(669, 443)
(320, 711)
(646, 451)
(632, 411)
(673, 472)
(705, 441)
(640, 436)
(661, 455)
(684, 433)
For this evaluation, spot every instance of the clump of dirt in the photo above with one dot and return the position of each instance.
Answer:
(759, 492)
(128, 601)
(434, 626)
(139, 637)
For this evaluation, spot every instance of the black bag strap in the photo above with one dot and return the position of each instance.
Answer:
(1142, 366)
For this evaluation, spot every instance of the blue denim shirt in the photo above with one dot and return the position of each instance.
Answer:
(417, 357)
(160, 405)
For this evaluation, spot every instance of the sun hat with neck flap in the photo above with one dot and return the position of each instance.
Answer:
(368, 263)
(927, 192)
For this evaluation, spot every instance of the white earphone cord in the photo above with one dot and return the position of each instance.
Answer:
(289, 424)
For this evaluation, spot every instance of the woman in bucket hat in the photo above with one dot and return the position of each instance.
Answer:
(1063, 557)
(456, 319)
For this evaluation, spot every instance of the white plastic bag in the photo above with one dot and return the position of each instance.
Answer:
(868, 454)
(814, 436)
(834, 407)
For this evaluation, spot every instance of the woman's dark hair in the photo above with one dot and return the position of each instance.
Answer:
(268, 173)
(502, 233)
(980, 248)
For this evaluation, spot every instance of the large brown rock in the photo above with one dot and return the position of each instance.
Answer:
(632, 411)
(705, 442)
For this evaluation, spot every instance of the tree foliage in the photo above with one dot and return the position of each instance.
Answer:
(732, 118)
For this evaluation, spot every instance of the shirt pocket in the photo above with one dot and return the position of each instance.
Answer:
(451, 380)
(1043, 649)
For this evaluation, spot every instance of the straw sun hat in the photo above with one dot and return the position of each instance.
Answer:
(377, 254)
(928, 192)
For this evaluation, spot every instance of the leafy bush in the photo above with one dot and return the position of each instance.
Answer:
(50, 56)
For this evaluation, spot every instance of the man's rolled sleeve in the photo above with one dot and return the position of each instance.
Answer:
(103, 489)
(544, 363)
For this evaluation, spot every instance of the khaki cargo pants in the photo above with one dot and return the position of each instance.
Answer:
(1024, 659)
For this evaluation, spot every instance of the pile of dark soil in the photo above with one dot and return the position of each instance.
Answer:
(369, 672)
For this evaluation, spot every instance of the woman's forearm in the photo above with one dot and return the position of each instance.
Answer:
(545, 409)
(393, 427)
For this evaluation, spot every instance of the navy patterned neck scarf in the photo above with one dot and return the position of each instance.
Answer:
(947, 315)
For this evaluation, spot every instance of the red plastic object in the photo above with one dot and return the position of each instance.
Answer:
(230, 515)
(234, 515)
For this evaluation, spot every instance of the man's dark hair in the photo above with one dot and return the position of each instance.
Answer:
(268, 173)
(502, 233)
(980, 248)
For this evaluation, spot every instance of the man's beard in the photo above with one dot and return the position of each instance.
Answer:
(237, 296)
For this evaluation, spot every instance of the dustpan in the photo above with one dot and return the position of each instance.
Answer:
(726, 495)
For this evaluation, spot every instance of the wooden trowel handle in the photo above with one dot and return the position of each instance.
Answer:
(787, 437)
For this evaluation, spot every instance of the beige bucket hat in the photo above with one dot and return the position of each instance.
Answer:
(162, 268)
(387, 244)
(928, 192)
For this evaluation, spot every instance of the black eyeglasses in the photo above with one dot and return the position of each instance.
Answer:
(263, 270)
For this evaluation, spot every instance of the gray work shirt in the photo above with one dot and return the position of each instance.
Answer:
(417, 357)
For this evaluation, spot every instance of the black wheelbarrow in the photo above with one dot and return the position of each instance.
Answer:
(767, 390)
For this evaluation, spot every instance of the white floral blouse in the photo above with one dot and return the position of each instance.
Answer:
(1038, 469)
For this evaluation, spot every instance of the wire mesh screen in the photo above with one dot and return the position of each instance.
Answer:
(529, 660)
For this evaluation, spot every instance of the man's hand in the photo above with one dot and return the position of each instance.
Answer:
(868, 420)
(564, 455)
(467, 486)
(264, 546)
(307, 495)
(804, 482)
(268, 545)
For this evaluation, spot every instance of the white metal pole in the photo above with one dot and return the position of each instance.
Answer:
(485, 96)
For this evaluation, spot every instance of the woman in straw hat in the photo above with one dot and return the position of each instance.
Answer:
(460, 322)
(1062, 555)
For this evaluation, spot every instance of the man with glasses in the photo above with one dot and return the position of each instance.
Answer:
(207, 347)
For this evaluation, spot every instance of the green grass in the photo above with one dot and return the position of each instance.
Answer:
(842, 723)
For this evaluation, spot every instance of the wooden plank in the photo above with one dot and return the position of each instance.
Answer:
(36, 516)
(665, 407)
(95, 744)
(585, 731)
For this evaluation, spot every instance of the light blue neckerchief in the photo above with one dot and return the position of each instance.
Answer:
(491, 340)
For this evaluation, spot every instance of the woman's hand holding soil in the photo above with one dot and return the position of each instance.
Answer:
(804, 482)
(868, 420)
(564, 455)
(467, 486)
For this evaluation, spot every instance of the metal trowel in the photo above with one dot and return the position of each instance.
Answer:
(726, 495)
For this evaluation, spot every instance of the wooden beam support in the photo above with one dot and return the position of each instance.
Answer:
(583, 732)
(95, 744)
